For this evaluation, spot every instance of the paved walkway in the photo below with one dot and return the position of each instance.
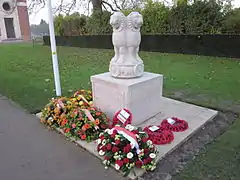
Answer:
(28, 151)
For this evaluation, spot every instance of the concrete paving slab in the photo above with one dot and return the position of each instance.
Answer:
(196, 116)
(28, 151)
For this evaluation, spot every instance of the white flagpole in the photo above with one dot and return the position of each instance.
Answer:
(54, 50)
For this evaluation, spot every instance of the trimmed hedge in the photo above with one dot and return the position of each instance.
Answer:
(208, 45)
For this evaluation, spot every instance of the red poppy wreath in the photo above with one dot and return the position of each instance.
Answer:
(122, 117)
(174, 124)
(158, 135)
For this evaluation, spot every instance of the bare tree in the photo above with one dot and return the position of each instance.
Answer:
(66, 6)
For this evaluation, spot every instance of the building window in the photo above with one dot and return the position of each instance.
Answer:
(6, 6)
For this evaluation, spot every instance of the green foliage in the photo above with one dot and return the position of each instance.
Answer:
(72, 25)
(155, 16)
(232, 22)
(98, 23)
(199, 17)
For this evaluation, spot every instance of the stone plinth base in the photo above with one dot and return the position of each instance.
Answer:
(139, 95)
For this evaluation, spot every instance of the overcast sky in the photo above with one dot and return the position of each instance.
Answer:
(43, 13)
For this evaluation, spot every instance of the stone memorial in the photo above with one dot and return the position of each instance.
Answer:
(126, 85)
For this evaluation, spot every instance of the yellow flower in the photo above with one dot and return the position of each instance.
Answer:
(80, 103)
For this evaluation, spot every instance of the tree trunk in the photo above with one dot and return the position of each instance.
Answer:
(97, 5)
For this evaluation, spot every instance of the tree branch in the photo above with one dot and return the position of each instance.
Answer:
(115, 2)
(104, 2)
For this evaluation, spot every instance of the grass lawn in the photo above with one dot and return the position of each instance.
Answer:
(220, 161)
(26, 77)
(26, 74)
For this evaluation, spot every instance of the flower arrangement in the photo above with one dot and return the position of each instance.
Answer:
(122, 117)
(126, 148)
(174, 124)
(56, 110)
(85, 124)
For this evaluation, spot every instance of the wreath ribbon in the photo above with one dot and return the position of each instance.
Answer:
(129, 136)
(84, 99)
(90, 117)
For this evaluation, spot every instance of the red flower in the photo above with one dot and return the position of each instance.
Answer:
(98, 113)
(83, 137)
(145, 161)
(106, 158)
(144, 139)
(113, 135)
(102, 137)
(67, 130)
(135, 131)
(64, 122)
(115, 149)
(138, 164)
(109, 146)
(149, 159)
(117, 141)
(119, 162)
(73, 125)
(104, 148)
(146, 151)
(127, 149)
(115, 131)
(126, 160)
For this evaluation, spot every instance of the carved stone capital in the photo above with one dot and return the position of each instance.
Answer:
(126, 39)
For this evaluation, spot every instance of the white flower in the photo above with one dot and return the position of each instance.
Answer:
(104, 142)
(127, 126)
(106, 167)
(152, 155)
(99, 141)
(100, 134)
(116, 157)
(129, 155)
(130, 127)
(110, 132)
(117, 167)
(149, 142)
(106, 130)
(101, 152)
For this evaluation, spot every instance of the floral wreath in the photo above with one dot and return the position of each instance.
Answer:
(177, 125)
(126, 148)
(159, 135)
(117, 121)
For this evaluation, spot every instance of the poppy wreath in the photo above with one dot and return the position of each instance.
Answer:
(82, 98)
(178, 126)
(159, 136)
(126, 148)
(116, 121)
(84, 124)
(56, 110)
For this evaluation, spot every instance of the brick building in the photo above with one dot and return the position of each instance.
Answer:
(14, 20)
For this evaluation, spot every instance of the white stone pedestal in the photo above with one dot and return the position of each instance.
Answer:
(139, 95)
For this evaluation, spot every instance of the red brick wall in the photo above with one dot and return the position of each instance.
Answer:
(24, 21)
